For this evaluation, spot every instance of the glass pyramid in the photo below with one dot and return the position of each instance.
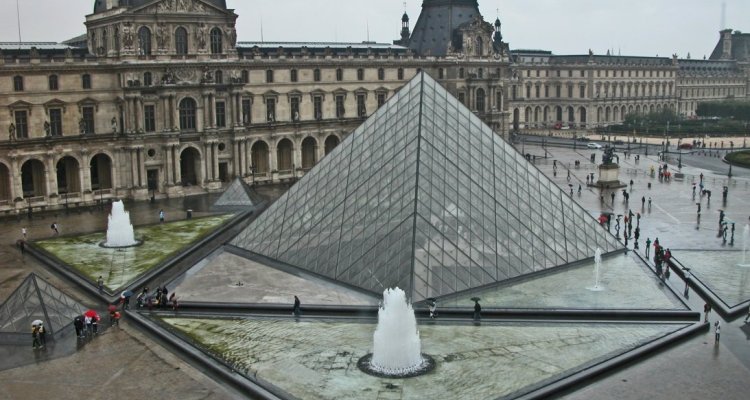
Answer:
(238, 195)
(424, 196)
(36, 299)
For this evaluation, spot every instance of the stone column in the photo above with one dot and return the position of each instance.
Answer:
(51, 175)
(175, 121)
(177, 166)
(208, 163)
(215, 154)
(212, 110)
(137, 114)
(236, 163)
(134, 168)
(168, 164)
(16, 187)
(142, 167)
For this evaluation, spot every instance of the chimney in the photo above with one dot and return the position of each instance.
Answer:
(726, 39)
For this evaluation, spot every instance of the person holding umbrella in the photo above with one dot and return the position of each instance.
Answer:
(125, 299)
(433, 308)
(92, 321)
(477, 309)
(35, 344)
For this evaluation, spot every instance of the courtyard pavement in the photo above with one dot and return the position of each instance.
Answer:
(124, 363)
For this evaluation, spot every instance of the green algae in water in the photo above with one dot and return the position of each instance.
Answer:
(118, 267)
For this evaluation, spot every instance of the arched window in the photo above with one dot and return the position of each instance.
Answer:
(144, 41)
(187, 114)
(480, 100)
(148, 79)
(216, 45)
(219, 77)
(479, 46)
(53, 84)
(339, 74)
(480, 73)
(181, 41)
(381, 74)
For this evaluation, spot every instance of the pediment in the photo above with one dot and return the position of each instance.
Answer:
(20, 104)
(180, 7)
(54, 103)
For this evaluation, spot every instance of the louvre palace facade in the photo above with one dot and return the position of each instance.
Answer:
(160, 98)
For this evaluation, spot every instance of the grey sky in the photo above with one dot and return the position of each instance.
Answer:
(632, 27)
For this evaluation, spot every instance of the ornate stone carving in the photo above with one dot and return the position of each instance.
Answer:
(231, 35)
(12, 132)
(162, 36)
(128, 38)
(181, 6)
(201, 33)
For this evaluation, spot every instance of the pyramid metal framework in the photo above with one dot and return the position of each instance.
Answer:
(238, 196)
(424, 196)
(36, 299)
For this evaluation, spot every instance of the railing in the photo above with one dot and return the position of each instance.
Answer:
(69, 196)
(36, 199)
(103, 193)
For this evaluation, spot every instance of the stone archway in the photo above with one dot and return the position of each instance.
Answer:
(284, 154)
(331, 143)
(5, 184)
(101, 172)
(33, 178)
(259, 154)
(190, 167)
(309, 153)
(68, 175)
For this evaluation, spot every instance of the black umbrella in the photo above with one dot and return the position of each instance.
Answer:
(475, 299)
(126, 293)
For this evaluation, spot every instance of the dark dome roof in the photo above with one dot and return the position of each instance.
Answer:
(405, 18)
(101, 5)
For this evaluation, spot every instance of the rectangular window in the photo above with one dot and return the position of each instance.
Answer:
(295, 109)
(269, 76)
(546, 90)
(53, 82)
(293, 75)
(271, 110)
(441, 73)
(361, 106)
(22, 124)
(86, 81)
(149, 118)
(462, 97)
(582, 93)
(88, 120)
(18, 83)
(221, 114)
(381, 99)
(318, 107)
(55, 122)
(536, 91)
(558, 91)
(340, 110)
(570, 91)
(246, 112)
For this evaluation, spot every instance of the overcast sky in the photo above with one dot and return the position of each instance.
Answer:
(631, 27)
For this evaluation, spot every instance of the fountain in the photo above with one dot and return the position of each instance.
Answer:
(745, 247)
(119, 230)
(597, 270)
(397, 349)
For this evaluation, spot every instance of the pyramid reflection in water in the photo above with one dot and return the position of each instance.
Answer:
(425, 196)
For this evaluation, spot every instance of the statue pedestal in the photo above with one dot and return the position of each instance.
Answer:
(609, 177)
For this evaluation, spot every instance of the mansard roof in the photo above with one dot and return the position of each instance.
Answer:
(433, 33)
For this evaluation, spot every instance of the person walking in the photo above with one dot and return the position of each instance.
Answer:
(173, 301)
(706, 311)
(295, 310)
(433, 308)
(55, 231)
(78, 324)
(42, 335)
(613, 197)
(477, 311)
(24, 233)
(89, 327)
(649, 202)
(648, 247)
(161, 216)
(643, 202)
(717, 330)
(100, 284)
(35, 344)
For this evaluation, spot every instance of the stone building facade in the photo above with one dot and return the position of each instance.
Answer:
(159, 98)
